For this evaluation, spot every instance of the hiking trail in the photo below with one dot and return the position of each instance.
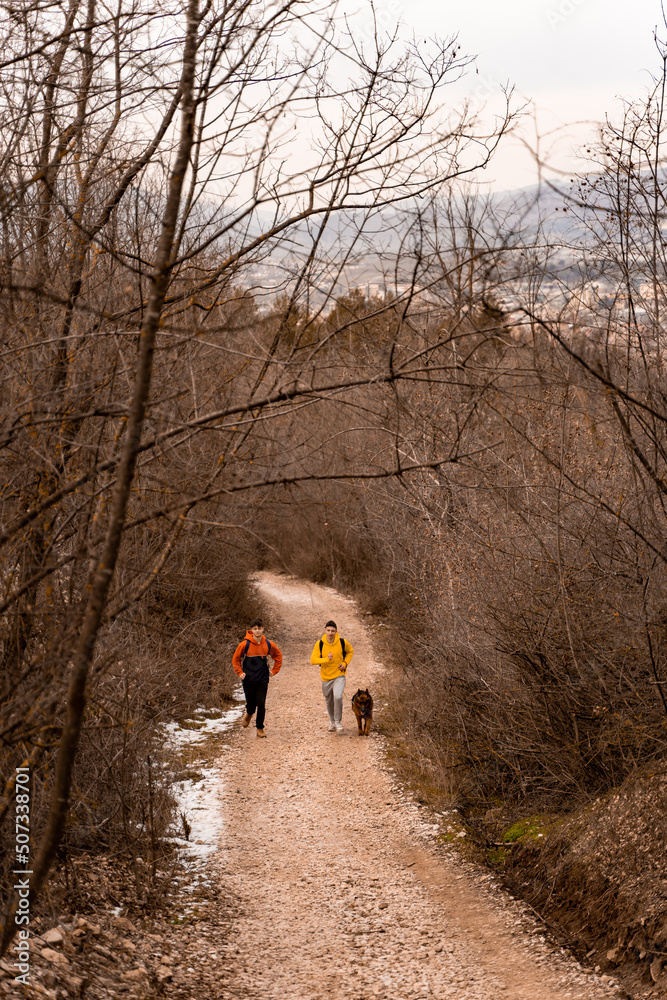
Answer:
(342, 888)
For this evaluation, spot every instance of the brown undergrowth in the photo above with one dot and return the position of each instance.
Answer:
(594, 874)
(598, 874)
(159, 664)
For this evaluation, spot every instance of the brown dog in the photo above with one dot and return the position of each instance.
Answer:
(362, 706)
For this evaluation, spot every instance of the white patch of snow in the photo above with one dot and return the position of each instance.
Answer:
(200, 803)
(177, 736)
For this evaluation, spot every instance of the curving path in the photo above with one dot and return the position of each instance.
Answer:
(342, 890)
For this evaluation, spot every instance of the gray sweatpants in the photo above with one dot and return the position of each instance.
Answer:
(333, 696)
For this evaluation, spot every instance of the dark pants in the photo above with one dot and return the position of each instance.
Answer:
(255, 699)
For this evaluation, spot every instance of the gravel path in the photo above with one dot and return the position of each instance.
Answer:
(344, 891)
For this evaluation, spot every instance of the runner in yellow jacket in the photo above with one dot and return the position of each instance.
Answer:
(332, 654)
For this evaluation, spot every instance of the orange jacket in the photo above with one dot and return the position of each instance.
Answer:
(262, 648)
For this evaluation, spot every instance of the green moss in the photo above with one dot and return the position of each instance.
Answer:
(496, 855)
(525, 829)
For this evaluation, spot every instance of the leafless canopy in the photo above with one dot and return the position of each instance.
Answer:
(186, 188)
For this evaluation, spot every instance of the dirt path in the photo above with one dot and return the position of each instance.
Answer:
(342, 891)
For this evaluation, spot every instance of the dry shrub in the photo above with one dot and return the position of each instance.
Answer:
(159, 660)
(326, 541)
(191, 623)
(598, 874)
(171, 657)
(522, 584)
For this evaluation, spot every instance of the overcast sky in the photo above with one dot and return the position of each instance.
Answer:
(573, 58)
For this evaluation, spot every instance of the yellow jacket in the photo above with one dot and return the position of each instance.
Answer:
(337, 665)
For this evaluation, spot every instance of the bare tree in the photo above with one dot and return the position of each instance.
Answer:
(165, 170)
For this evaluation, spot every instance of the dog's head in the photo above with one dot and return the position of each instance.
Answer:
(362, 698)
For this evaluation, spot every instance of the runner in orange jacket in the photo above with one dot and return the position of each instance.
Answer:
(251, 664)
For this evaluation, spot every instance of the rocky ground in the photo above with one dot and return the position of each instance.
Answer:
(327, 882)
